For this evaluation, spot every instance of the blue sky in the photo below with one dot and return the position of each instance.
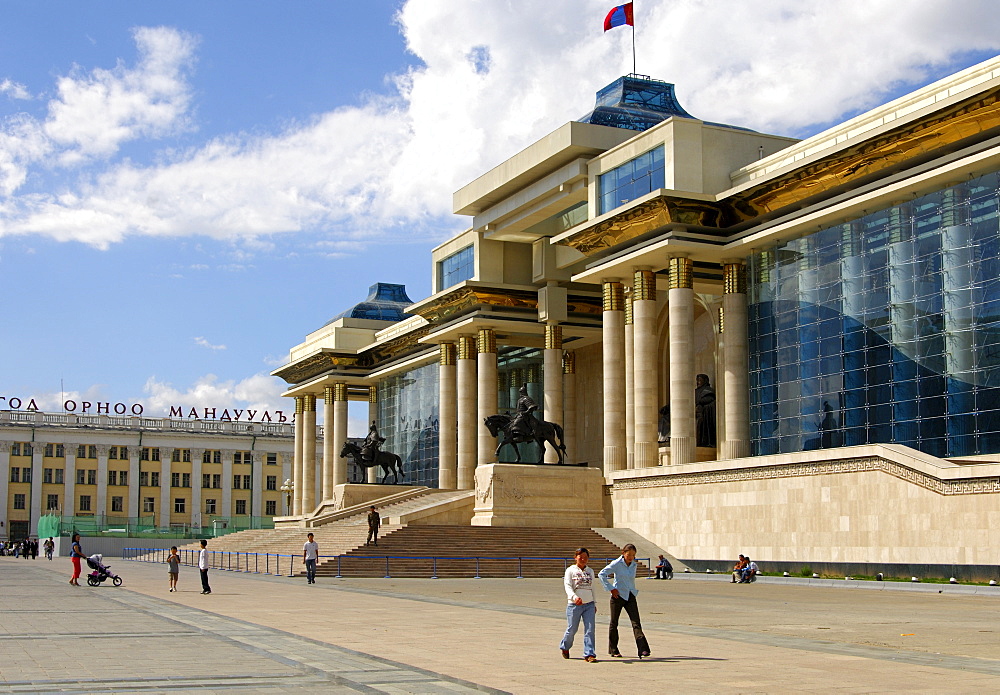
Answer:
(188, 188)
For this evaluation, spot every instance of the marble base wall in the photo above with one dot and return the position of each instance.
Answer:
(870, 504)
(539, 495)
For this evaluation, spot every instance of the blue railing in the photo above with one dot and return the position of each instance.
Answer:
(277, 563)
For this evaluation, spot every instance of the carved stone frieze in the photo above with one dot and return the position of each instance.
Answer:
(965, 486)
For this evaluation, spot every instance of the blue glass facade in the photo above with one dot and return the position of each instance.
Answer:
(457, 267)
(408, 419)
(885, 329)
(633, 179)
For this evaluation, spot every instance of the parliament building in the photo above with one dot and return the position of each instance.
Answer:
(789, 349)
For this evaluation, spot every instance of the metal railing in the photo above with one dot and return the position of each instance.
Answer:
(277, 563)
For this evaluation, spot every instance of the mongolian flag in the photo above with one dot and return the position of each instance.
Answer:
(619, 16)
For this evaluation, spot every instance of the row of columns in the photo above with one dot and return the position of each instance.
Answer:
(631, 359)
(468, 394)
(468, 388)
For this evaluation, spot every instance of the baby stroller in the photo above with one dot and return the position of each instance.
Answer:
(101, 572)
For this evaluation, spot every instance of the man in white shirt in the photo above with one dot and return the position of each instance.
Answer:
(579, 584)
(203, 567)
(310, 553)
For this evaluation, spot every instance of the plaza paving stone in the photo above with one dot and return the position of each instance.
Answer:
(260, 633)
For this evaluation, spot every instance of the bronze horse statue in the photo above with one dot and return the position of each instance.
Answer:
(390, 462)
(543, 432)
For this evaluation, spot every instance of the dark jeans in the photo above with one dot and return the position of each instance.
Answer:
(311, 570)
(631, 607)
(372, 535)
(664, 573)
(204, 581)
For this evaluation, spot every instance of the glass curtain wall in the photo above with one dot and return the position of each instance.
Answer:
(408, 419)
(885, 329)
(633, 179)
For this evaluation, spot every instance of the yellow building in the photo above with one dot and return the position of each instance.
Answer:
(136, 472)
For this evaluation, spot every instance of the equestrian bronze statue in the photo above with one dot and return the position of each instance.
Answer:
(541, 432)
(390, 462)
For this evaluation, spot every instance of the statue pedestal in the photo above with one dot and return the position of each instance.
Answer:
(510, 494)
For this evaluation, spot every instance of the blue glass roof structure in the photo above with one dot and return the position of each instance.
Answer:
(385, 302)
(637, 102)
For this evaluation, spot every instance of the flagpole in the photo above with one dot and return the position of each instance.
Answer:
(633, 48)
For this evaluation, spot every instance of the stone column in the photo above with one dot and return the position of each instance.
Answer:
(308, 454)
(69, 480)
(447, 418)
(197, 458)
(373, 415)
(101, 507)
(134, 490)
(297, 480)
(629, 381)
(338, 435)
(226, 503)
(330, 449)
(553, 382)
(736, 388)
(466, 416)
(166, 456)
(614, 377)
(682, 376)
(644, 362)
(569, 404)
(257, 471)
(4, 485)
(486, 346)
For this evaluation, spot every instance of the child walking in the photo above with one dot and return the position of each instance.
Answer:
(173, 567)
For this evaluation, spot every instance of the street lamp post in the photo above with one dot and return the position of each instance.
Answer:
(288, 487)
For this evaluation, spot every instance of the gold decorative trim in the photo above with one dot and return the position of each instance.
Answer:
(466, 347)
(516, 378)
(486, 341)
(309, 402)
(448, 354)
(569, 362)
(934, 134)
(502, 378)
(328, 394)
(373, 394)
(629, 316)
(340, 391)
(533, 374)
(722, 320)
(299, 405)
(553, 337)
(679, 273)
(467, 298)
(643, 286)
(966, 486)
(734, 278)
(614, 296)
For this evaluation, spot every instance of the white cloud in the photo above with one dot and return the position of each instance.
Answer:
(205, 344)
(258, 392)
(490, 78)
(95, 114)
(15, 90)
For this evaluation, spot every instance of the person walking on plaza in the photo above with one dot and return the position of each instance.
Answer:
(623, 596)
(49, 546)
(310, 553)
(173, 567)
(579, 583)
(75, 553)
(374, 521)
(203, 567)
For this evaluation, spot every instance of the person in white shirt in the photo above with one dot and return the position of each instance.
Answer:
(203, 567)
(579, 583)
(310, 553)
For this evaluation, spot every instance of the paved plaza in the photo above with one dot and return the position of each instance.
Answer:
(263, 634)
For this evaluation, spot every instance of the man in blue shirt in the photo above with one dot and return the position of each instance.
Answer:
(623, 595)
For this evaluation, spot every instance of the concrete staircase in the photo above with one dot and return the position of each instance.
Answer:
(528, 552)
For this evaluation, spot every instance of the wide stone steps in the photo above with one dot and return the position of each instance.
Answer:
(427, 499)
(527, 552)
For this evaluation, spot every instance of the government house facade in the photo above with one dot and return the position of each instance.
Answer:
(784, 348)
